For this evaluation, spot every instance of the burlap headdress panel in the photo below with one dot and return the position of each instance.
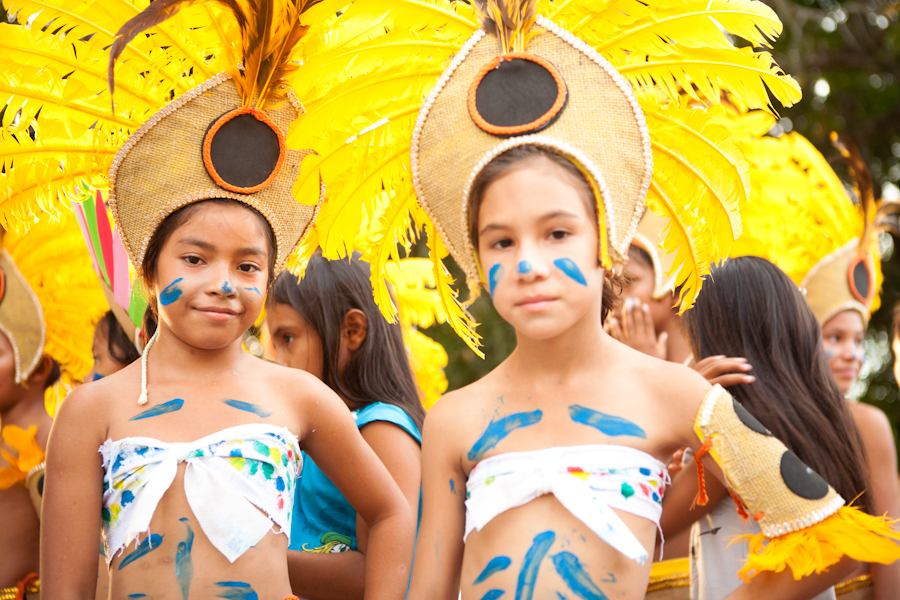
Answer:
(21, 318)
(589, 115)
(223, 139)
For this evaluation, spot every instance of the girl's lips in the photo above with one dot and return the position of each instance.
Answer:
(536, 304)
(219, 315)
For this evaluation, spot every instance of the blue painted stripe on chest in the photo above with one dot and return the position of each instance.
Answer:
(532, 564)
(184, 564)
(610, 425)
(162, 409)
(236, 590)
(149, 544)
(249, 407)
(497, 430)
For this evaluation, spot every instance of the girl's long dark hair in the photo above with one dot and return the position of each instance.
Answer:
(750, 308)
(379, 370)
(117, 343)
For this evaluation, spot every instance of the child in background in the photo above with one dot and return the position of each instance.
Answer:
(111, 348)
(329, 325)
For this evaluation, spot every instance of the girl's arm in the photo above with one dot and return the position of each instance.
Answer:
(70, 523)
(336, 446)
(679, 511)
(439, 547)
(341, 576)
(881, 459)
(783, 586)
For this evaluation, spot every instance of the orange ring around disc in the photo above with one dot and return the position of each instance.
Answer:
(207, 144)
(870, 270)
(2, 284)
(515, 129)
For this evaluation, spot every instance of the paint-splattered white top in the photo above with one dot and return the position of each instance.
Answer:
(230, 477)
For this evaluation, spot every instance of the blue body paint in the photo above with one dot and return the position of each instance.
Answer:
(170, 293)
(97, 376)
(149, 544)
(496, 564)
(253, 289)
(256, 409)
(532, 563)
(576, 577)
(494, 276)
(452, 487)
(493, 595)
(610, 425)
(226, 287)
(140, 596)
(236, 590)
(497, 430)
(568, 266)
(162, 409)
(560, 596)
(524, 267)
(184, 565)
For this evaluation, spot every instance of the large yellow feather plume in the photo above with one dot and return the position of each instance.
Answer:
(364, 82)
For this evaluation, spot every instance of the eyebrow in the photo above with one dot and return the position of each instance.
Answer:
(548, 217)
(245, 251)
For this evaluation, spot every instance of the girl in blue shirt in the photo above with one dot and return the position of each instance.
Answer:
(329, 325)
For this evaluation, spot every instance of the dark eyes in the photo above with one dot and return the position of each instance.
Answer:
(559, 234)
(248, 268)
(193, 260)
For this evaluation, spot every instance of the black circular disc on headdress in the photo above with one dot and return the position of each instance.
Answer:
(517, 94)
(860, 279)
(243, 150)
(800, 479)
(749, 420)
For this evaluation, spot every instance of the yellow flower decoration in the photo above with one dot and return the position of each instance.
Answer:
(30, 455)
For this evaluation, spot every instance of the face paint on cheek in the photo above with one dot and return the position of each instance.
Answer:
(495, 275)
(170, 293)
(568, 266)
(253, 289)
(226, 288)
(524, 267)
(830, 353)
(859, 355)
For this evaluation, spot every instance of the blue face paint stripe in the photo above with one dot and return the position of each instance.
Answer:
(578, 580)
(236, 590)
(494, 277)
(149, 544)
(524, 267)
(226, 288)
(610, 425)
(253, 289)
(568, 266)
(162, 409)
(249, 407)
(532, 563)
(184, 564)
(493, 595)
(170, 293)
(495, 565)
(497, 430)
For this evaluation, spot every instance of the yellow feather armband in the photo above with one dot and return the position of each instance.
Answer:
(805, 525)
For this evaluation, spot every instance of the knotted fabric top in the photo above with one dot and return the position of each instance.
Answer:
(230, 477)
(589, 481)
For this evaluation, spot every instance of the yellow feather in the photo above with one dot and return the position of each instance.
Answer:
(428, 359)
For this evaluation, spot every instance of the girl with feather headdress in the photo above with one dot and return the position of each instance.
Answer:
(187, 460)
(49, 302)
(527, 147)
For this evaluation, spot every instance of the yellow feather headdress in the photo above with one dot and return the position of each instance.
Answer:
(373, 86)
(801, 217)
(201, 109)
(51, 300)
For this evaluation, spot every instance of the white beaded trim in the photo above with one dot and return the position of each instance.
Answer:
(709, 403)
(135, 138)
(145, 355)
(545, 142)
(623, 84)
(805, 521)
(20, 374)
(430, 99)
(295, 102)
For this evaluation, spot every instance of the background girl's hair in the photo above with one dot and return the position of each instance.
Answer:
(165, 231)
(750, 308)
(379, 370)
(517, 158)
(117, 343)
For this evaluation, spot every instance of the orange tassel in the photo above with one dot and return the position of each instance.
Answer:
(701, 498)
(23, 585)
(740, 507)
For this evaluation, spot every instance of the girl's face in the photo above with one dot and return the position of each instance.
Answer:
(842, 337)
(297, 345)
(212, 274)
(538, 248)
(104, 362)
